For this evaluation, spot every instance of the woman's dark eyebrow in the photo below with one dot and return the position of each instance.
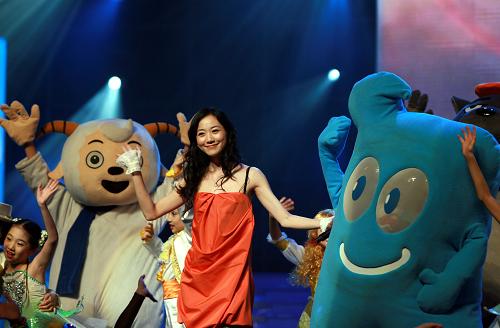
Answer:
(95, 140)
(134, 142)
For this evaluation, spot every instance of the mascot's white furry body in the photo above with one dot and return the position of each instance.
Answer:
(115, 254)
(113, 257)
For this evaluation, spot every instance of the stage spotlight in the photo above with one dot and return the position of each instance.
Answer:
(334, 75)
(114, 83)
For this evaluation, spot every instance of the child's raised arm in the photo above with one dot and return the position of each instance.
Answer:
(43, 258)
(483, 193)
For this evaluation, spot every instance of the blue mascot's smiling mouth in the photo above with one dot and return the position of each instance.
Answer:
(405, 257)
(114, 187)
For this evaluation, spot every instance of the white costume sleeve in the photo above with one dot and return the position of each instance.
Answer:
(293, 252)
(61, 205)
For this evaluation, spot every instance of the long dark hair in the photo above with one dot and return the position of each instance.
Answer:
(196, 161)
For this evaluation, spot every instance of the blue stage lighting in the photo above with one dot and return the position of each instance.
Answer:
(3, 83)
(114, 83)
(334, 75)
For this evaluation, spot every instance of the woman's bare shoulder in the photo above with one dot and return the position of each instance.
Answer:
(255, 176)
(252, 169)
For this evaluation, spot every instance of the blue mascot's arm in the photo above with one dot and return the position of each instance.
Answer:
(331, 143)
(440, 290)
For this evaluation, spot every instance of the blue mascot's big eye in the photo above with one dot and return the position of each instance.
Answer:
(392, 200)
(401, 200)
(359, 187)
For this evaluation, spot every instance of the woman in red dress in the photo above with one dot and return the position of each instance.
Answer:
(217, 283)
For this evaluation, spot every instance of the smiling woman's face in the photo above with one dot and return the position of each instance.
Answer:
(211, 136)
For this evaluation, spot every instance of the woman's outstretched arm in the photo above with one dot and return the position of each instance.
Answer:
(258, 183)
(131, 161)
(150, 209)
(274, 227)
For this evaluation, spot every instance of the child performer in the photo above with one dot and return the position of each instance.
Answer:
(307, 258)
(24, 281)
(171, 256)
(8, 309)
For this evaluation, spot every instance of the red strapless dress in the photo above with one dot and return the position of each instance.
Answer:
(217, 284)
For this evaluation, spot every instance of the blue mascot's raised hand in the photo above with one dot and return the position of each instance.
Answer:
(334, 136)
(331, 143)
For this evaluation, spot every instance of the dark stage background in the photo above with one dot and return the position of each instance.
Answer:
(264, 62)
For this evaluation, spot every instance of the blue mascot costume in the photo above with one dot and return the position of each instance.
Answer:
(409, 239)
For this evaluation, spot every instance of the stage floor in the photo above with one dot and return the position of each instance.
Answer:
(277, 303)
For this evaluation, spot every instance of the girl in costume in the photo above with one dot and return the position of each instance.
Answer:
(307, 258)
(217, 283)
(171, 256)
(9, 309)
(24, 281)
